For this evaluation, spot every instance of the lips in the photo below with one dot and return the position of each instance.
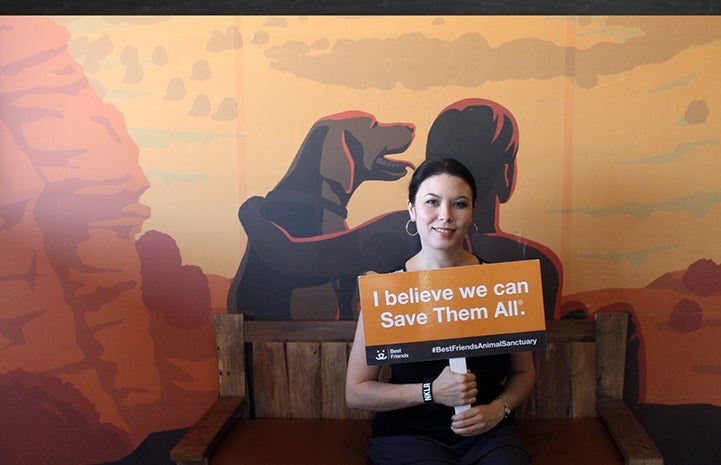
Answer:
(444, 231)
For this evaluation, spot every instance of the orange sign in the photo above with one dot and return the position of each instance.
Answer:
(453, 312)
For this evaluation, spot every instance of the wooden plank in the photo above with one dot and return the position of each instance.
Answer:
(231, 354)
(330, 331)
(611, 335)
(303, 359)
(583, 380)
(270, 380)
(570, 330)
(632, 440)
(200, 440)
(561, 392)
(553, 382)
(299, 331)
(334, 361)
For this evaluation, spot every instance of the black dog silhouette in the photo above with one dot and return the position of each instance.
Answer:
(339, 153)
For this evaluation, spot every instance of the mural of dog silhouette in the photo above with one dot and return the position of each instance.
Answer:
(339, 153)
(480, 133)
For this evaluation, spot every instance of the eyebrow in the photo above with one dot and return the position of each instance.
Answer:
(460, 197)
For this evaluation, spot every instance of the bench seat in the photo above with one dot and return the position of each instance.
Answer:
(281, 388)
(296, 442)
(316, 442)
(586, 441)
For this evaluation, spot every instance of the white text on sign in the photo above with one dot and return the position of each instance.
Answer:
(414, 295)
(450, 315)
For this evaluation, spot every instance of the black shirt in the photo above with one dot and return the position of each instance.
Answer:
(490, 371)
(490, 374)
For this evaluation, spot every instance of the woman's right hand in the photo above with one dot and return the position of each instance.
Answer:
(454, 389)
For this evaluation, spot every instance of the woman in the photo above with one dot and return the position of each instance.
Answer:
(406, 430)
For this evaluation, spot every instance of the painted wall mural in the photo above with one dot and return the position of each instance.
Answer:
(155, 171)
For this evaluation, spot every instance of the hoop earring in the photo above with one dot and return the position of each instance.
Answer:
(408, 231)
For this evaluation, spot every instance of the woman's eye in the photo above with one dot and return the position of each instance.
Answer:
(461, 204)
(431, 202)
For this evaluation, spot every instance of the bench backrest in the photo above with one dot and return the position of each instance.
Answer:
(296, 369)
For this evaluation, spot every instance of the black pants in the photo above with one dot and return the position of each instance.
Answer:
(500, 446)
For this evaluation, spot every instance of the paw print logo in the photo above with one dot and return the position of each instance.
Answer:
(381, 354)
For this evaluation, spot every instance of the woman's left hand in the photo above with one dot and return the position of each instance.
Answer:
(477, 420)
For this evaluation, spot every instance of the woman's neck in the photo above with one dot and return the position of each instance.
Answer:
(425, 260)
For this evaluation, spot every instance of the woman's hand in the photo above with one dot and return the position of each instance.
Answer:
(477, 420)
(454, 389)
(519, 384)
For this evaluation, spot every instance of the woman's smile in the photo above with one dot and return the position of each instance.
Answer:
(444, 231)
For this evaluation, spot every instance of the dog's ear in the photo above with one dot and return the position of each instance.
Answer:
(337, 162)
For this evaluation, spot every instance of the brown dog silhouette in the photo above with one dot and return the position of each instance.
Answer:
(339, 153)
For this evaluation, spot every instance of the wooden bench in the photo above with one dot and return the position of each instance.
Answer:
(282, 401)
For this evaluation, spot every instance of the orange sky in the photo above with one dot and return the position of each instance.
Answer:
(619, 151)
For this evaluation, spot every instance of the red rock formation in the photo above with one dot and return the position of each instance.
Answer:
(78, 347)
(687, 316)
(703, 277)
(178, 292)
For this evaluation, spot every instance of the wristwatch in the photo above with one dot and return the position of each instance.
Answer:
(506, 409)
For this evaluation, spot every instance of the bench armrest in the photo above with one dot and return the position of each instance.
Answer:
(635, 445)
(200, 440)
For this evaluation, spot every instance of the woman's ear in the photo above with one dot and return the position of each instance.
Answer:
(411, 211)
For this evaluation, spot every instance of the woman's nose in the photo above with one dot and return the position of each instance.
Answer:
(444, 213)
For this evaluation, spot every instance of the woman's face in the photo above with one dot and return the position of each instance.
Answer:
(443, 211)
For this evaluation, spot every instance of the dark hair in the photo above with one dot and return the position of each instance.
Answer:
(434, 167)
(480, 133)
